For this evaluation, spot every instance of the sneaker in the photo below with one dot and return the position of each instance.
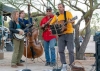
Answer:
(94, 64)
(64, 67)
(52, 64)
(47, 63)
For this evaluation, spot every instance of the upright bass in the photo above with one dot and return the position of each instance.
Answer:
(34, 48)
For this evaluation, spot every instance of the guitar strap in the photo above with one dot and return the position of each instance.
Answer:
(65, 16)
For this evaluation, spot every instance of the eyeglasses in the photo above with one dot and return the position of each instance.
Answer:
(48, 10)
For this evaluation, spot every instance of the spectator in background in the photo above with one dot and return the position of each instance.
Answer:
(80, 39)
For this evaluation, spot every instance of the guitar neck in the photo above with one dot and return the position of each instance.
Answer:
(29, 26)
(74, 18)
(47, 23)
(65, 23)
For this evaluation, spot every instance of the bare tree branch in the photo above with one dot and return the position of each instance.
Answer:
(52, 5)
(76, 2)
(13, 4)
(85, 26)
(35, 7)
(43, 3)
(84, 3)
(91, 4)
(79, 9)
(54, 2)
(38, 15)
(78, 23)
(62, 1)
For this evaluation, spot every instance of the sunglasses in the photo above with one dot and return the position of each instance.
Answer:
(48, 10)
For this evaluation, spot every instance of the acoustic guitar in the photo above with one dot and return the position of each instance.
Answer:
(46, 24)
(60, 28)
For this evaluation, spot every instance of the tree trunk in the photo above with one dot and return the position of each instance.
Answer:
(77, 45)
(80, 49)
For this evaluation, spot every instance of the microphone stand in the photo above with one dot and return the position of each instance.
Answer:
(26, 58)
(56, 69)
(26, 40)
(29, 26)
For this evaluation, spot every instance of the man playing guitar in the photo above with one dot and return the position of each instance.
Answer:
(49, 38)
(66, 38)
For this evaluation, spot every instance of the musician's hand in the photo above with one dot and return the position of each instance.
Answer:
(42, 25)
(46, 28)
(63, 28)
(71, 21)
(21, 32)
(49, 21)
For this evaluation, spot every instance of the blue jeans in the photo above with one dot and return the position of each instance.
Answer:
(50, 50)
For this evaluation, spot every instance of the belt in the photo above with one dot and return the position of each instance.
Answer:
(64, 34)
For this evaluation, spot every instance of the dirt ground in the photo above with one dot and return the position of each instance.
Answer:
(39, 63)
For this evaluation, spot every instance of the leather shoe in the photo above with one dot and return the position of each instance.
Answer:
(14, 66)
(19, 64)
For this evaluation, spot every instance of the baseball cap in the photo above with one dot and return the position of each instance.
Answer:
(48, 8)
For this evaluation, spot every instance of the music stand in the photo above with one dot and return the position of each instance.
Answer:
(56, 30)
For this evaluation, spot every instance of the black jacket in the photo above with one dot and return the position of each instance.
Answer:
(13, 27)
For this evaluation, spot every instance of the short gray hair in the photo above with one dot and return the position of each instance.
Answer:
(62, 4)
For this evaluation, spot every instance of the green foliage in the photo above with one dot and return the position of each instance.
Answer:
(34, 13)
(0, 7)
(94, 29)
(0, 13)
(82, 33)
(0, 20)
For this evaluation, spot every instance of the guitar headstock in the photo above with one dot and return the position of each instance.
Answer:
(74, 18)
